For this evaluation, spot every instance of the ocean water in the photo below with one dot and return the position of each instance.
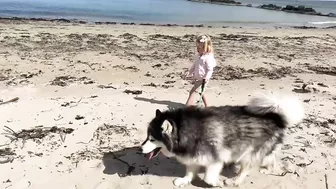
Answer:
(169, 11)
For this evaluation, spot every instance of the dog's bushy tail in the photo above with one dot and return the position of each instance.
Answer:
(288, 107)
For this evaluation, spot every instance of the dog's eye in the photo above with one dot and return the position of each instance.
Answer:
(152, 140)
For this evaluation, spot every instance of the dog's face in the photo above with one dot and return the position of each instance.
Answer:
(159, 137)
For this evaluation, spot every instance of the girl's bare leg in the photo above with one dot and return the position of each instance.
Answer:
(191, 97)
(205, 100)
(193, 92)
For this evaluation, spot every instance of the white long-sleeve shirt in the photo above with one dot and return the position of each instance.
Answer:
(203, 66)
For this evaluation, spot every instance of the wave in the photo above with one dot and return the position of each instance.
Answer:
(323, 22)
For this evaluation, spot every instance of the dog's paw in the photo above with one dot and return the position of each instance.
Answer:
(232, 182)
(182, 182)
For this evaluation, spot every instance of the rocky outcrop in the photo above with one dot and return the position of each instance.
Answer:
(295, 9)
(270, 7)
(299, 9)
(226, 1)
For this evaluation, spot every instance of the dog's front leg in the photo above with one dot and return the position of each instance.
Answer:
(268, 165)
(237, 180)
(212, 173)
(191, 172)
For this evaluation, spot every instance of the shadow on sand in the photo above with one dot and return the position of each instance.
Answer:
(130, 161)
(171, 105)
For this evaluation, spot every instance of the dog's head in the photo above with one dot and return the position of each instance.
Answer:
(160, 135)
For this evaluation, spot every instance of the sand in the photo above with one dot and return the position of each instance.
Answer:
(87, 92)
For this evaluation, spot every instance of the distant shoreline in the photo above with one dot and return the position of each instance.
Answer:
(274, 7)
(77, 21)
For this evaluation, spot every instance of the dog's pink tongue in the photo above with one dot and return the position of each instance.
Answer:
(151, 155)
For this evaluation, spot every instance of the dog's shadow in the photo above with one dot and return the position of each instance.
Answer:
(130, 161)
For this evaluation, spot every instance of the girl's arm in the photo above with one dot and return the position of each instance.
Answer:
(192, 68)
(210, 65)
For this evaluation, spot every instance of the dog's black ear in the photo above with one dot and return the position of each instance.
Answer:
(157, 113)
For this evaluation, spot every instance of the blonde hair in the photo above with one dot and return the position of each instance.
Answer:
(206, 41)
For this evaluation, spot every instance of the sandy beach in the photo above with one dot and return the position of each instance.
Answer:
(87, 92)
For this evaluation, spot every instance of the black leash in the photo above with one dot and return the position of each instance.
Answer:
(202, 90)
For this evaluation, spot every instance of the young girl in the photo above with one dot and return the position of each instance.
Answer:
(202, 68)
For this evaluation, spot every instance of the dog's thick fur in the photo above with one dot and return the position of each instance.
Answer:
(247, 135)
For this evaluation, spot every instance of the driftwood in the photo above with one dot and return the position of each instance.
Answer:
(7, 160)
(9, 101)
(287, 172)
(326, 181)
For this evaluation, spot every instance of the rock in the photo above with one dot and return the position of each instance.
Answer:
(332, 15)
(270, 7)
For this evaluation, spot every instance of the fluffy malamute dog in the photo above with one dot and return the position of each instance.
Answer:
(211, 137)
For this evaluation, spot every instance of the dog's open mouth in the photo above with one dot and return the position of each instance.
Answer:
(154, 153)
